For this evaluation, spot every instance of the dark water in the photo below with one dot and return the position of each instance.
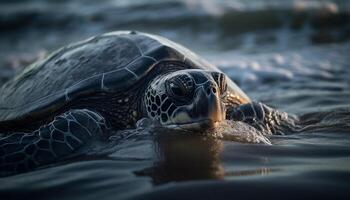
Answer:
(292, 55)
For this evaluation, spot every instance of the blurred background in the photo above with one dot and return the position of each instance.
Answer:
(29, 29)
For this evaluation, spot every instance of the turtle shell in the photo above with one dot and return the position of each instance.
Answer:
(110, 62)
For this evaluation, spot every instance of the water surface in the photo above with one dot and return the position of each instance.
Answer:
(291, 55)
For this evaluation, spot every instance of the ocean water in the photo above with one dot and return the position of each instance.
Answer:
(292, 55)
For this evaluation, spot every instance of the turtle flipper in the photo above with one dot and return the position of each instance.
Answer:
(263, 118)
(73, 130)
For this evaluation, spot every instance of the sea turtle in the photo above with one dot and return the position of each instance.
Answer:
(59, 105)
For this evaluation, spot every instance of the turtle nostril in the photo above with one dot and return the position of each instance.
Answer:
(210, 90)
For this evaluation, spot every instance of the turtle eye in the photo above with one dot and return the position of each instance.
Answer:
(181, 87)
(177, 89)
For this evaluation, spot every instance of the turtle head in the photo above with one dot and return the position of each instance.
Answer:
(187, 99)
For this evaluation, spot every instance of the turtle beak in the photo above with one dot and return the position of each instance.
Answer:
(208, 104)
(206, 110)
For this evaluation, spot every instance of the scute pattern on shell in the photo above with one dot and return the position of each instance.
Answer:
(70, 66)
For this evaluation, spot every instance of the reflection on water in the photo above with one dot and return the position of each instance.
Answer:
(185, 157)
(261, 171)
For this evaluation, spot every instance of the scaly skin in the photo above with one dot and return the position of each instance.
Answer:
(263, 118)
(65, 135)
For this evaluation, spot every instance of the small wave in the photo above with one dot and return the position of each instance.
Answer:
(319, 21)
(236, 131)
(320, 68)
(336, 121)
(227, 130)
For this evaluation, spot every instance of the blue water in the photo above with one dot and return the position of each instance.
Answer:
(291, 55)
